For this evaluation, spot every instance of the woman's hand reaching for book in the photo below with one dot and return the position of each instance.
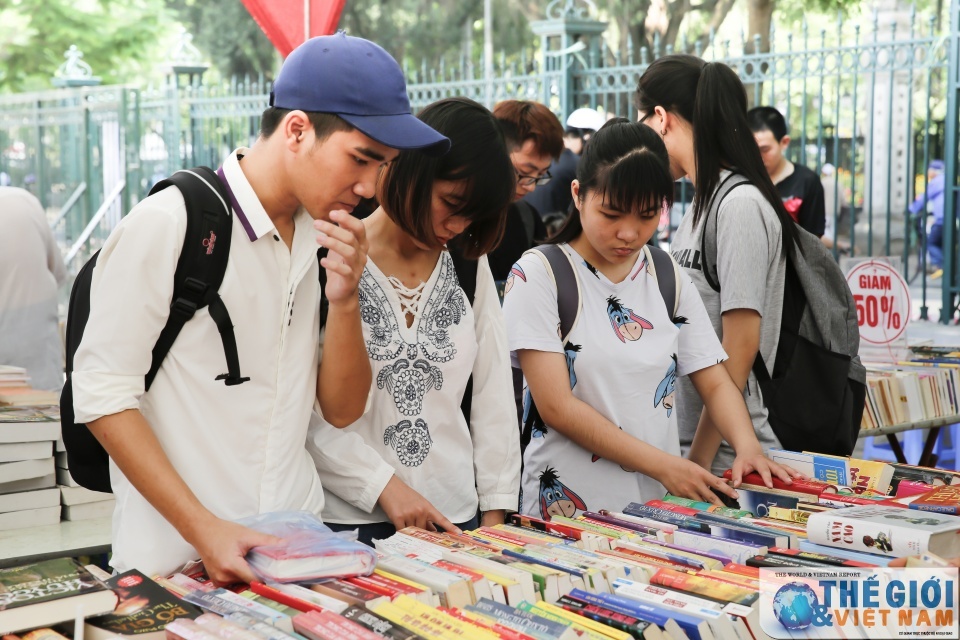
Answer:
(407, 508)
(222, 546)
(755, 461)
(681, 477)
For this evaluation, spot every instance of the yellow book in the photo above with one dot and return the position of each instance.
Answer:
(585, 626)
(871, 475)
(452, 626)
(429, 595)
(409, 621)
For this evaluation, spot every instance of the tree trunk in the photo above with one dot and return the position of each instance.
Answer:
(759, 18)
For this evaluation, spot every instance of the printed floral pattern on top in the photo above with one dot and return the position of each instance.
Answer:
(557, 499)
(532, 422)
(409, 377)
(411, 441)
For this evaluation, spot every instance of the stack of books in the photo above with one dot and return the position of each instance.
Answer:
(668, 569)
(28, 493)
(924, 387)
(15, 390)
(78, 502)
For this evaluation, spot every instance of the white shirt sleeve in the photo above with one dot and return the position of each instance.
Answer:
(493, 415)
(347, 465)
(698, 344)
(530, 308)
(130, 297)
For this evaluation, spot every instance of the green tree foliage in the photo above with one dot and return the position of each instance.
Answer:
(229, 38)
(120, 39)
(418, 31)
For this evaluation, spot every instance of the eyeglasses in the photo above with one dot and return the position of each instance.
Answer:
(526, 181)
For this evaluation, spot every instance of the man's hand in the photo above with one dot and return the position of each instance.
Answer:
(222, 546)
(754, 460)
(494, 517)
(689, 480)
(407, 508)
(345, 238)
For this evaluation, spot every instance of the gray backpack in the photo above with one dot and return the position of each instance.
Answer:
(815, 393)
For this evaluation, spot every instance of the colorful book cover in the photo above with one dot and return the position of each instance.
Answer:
(144, 607)
(760, 502)
(886, 530)
(870, 475)
(945, 499)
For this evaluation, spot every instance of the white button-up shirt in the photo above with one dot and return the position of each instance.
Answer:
(240, 449)
(31, 270)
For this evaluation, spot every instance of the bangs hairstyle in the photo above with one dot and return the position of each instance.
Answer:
(478, 155)
(627, 165)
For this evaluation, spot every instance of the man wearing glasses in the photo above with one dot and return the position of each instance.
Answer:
(534, 136)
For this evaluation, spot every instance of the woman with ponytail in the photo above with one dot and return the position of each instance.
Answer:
(699, 109)
(599, 405)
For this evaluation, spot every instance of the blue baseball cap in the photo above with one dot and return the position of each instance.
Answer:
(358, 81)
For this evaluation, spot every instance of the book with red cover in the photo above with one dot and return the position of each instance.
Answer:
(283, 598)
(945, 499)
(671, 506)
(326, 625)
(799, 485)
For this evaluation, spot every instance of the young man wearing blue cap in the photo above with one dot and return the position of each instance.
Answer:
(192, 454)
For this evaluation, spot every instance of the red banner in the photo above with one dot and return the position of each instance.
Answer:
(285, 22)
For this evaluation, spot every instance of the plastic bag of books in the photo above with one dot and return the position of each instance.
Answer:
(309, 549)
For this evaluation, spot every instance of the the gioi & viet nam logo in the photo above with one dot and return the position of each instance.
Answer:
(794, 605)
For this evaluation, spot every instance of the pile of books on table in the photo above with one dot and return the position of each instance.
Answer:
(78, 502)
(28, 492)
(669, 569)
(925, 387)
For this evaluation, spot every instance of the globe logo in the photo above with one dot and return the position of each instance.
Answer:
(794, 604)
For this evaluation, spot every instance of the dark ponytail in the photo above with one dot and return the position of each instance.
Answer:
(711, 97)
(626, 164)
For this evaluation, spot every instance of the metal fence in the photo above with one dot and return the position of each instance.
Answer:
(871, 98)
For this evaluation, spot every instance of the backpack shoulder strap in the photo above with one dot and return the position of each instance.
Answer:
(466, 271)
(526, 212)
(561, 269)
(662, 264)
(708, 235)
(201, 266)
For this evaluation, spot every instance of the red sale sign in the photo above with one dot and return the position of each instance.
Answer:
(883, 301)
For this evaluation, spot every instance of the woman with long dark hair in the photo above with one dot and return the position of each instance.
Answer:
(699, 109)
(599, 405)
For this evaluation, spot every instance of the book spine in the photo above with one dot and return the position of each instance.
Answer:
(628, 624)
(283, 598)
(377, 624)
(788, 515)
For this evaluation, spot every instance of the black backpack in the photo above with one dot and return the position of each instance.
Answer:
(200, 269)
(559, 263)
(815, 395)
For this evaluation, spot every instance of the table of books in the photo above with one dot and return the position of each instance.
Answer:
(666, 569)
(80, 538)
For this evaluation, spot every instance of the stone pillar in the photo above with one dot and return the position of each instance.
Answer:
(888, 144)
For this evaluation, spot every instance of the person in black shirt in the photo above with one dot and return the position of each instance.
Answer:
(553, 201)
(800, 187)
(535, 139)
